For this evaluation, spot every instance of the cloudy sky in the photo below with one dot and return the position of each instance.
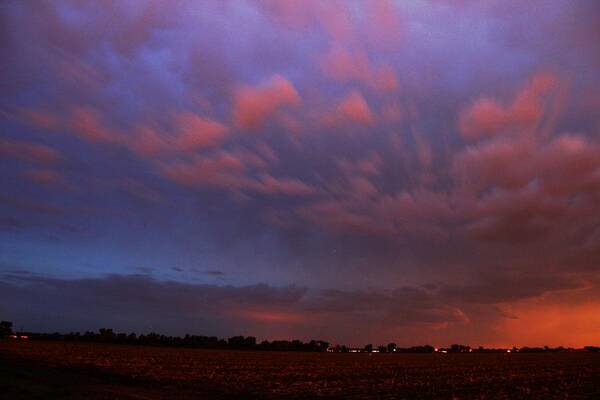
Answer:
(422, 171)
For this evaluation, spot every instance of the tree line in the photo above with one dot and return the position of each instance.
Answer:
(106, 335)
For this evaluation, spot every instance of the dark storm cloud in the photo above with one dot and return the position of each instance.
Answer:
(133, 302)
(136, 300)
(361, 150)
(502, 287)
(141, 303)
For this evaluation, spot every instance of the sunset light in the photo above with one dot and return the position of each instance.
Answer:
(302, 176)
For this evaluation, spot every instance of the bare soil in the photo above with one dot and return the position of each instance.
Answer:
(61, 370)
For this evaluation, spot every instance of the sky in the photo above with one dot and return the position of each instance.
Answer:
(416, 171)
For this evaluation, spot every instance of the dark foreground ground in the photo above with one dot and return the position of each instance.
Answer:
(46, 370)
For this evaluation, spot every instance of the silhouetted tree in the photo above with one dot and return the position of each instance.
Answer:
(6, 328)
(422, 349)
(236, 342)
(107, 335)
(341, 348)
(459, 348)
(317, 345)
(240, 342)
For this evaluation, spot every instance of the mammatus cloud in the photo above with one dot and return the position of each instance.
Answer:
(428, 167)
(343, 65)
(530, 178)
(354, 108)
(254, 105)
(234, 171)
(196, 132)
(350, 112)
(87, 123)
(487, 117)
(185, 132)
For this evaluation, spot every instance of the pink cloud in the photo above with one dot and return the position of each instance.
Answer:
(147, 141)
(343, 65)
(558, 165)
(424, 151)
(33, 152)
(392, 112)
(516, 216)
(267, 184)
(84, 121)
(384, 23)
(267, 153)
(222, 170)
(362, 188)
(562, 165)
(355, 204)
(508, 230)
(254, 105)
(353, 108)
(293, 126)
(250, 159)
(233, 171)
(487, 117)
(338, 217)
(72, 70)
(371, 165)
(567, 164)
(88, 123)
(520, 189)
(195, 132)
(500, 163)
(420, 204)
(42, 119)
(361, 208)
(190, 132)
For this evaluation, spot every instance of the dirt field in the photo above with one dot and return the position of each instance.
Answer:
(42, 370)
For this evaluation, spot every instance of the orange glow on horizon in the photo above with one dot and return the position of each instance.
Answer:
(568, 325)
(275, 316)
